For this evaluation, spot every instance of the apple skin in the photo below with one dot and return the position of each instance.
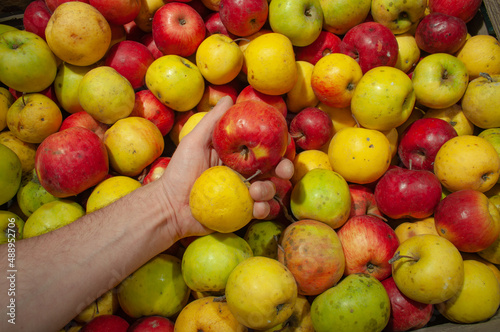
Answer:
(363, 201)
(71, 161)
(251, 136)
(214, 25)
(156, 169)
(118, 12)
(406, 314)
(53, 4)
(35, 18)
(368, 243)
(243, 18)
(148, 40)
(468, 220)
(311, 128)
(213, 93)
(149, 107)
(113, 323)
(85, 120)
(420, 142)
(152, 324)
(326, 43)
(402, 193)
(463, 9)
(441, 33)
(400, 16)
(249, 93)
(371, 44)
(281, 200)
(178, 29)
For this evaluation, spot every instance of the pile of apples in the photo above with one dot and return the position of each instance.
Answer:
(388, 110)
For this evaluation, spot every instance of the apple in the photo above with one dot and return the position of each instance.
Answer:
(144, 20)
(399, 16)
(371, 44)
(363, 201)
(66, 84)
(31, 194)
(248, 292)
(300, 21)
(35, 17)
(441, 33)
(113, 323)
(133, 32)
(156, 169)
(402, 193)
(53, 4)
(214, 25)
(472, 54)
(11, 227)
(342, 15)
(152, 324)
(368, 243)
(251, 136)
(213, 93)
(178, 29)
(302, 94)
(455, 116)
(300, 320)
(463, 9)
(420, 142)
(326, 43)
(262, 236)
(249, 93)
(147, 106)
(106, 304)
(408, 52)
(439, 80)
(11, 174)
(118, 12)
(311, 128)
(428, 268)
(243, 18)
(130, 59)
(479, 102)
(148, 40)
(280, 203)
(406, 228)
(468, 219)
(406, 314)
(84, 120)
(27, 64)
(359, 302)
(25, 151)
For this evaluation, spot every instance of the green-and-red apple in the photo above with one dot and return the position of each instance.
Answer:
(398, 15)
(10, 175)
(341, 15)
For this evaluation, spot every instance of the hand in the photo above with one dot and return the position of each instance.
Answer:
(194, 155)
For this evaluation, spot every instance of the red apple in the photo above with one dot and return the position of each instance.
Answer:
(178, 29)
(406, 314)
(368, 243)
(249, 93)
(131, 59)
(213, 93)
(463, 9)
(118, 12)
(291, 150)
(363, 201)
(214, 25)
(156, 169)
(148, 40)
(152, 324)
(402, 193)
(108, 323)
(243, 17)
(280, 203)
(468, 219)
(35, 17)
(200, 7)
(84, 120)
(53, 4)
(71, 161)
(421, 140)
(251, 136)
(441, 33)
(371, 44)
(326, 43)
(147, 106)
(133, 32)
(311, 128)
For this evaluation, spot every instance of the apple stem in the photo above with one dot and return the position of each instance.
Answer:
(285, 210)
(397, 256)
(357, 122)
(487, 76)
(377, 215)
(221, 298)
(96, 307)
(410, 165)
(253, 176)
(240, 39)
(24, 102)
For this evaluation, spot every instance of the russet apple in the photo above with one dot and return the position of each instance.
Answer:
(311, 128)
(399, 16)
(243, 18)
(440, 33)
(147, 106)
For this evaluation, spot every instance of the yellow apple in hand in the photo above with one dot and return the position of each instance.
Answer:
(302, 94)
(383, 99)
(480, 53)
(455, 116)
(481, 101)
(408, 52)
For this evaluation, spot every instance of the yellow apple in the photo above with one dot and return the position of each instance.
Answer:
(480, 53)
(110, 190)
(409, 229)
(191, 122)
(144, 19)
(467, 162)
(302, 94)
(408, 52)
(341, 15)
(383, 99)
(400, 16)
(455, 116)
(341, 118)
(492, 253)
(481, 101)
(219, 59)
(10, 175)
(477, 300)
(416, 114)
(106, 304)
(5, 103)
(31, 194)
(299, 321)
(179, 122)
(25, 151)
(66, 85)
(393, 137)
(78, 33)
(307, 160)
(475, 256)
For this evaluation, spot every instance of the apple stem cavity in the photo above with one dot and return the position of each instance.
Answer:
(487, 76)
(397, 256)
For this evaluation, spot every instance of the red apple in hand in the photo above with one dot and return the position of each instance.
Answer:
(421, 140)
(178, 28)
(468, 220)
(368, 243)
(152, 324)
(251, 136)
(441, 33)
(249, 93)
(402, 193)
(156, 169)
(109, 323)
(326, 43)
(406, 314)
(243, 18)
(363, 201)
(371, 44)
(35, 18)
(213, 93)
(463, 9)
(84, 120)
(117, 12)
(311, 128)
(147, 106)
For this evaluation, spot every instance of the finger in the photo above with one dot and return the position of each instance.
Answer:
(262, 190)
(261, 210)
(284, 169)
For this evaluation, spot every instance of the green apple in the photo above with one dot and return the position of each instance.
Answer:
(301, 21)
(27, 64)
(66, 85)
(261, 292)
(216, 254)
(106, 95)
(480, 102)
(262, 237)
(11, 227)
(31, 194)
(51, 216)
(176, 82)
(399, 16)
(383, 99)
(492, 135)
(5, 28)
(322, 195)
(10, 174)
(440, 80)
(359, 302)
(341, 15)
(156, 288)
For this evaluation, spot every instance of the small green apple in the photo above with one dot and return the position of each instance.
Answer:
(27, 64)
(5, 28)
(10, 174)
(11, 227)
(262, 237)
(398, 15)
(341, 15)
(31, 194)
(66, 85)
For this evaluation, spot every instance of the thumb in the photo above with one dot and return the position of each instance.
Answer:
(203, 130)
